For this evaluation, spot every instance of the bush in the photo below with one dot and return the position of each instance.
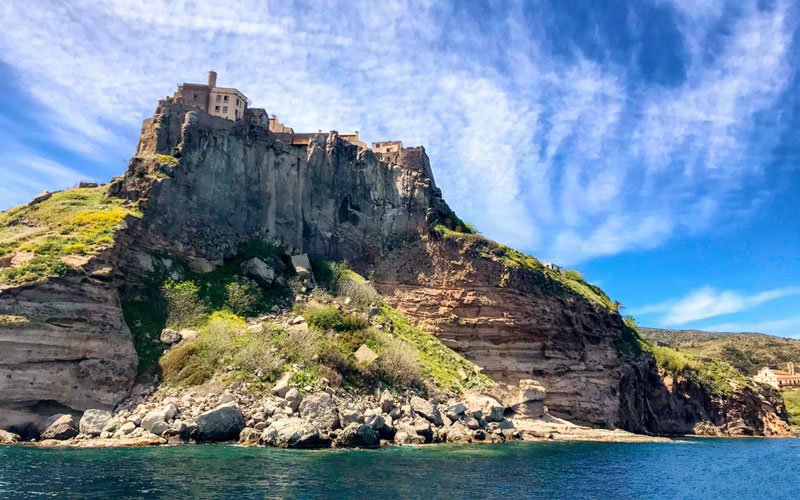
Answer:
(324, 318)
(218, 339)
(360, 292)
(241, 298)
(630, 322)
(302, 345)
(256, 355)
(184, 307)
(181, 366)
(353, 323)
(399, 363)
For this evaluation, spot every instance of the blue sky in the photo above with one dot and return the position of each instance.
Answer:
(654, 145)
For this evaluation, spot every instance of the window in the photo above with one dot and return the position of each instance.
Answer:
(225, 109)
(226, 98)
(216, 109)
(236, 114)
(388, 150)
(237, 102)
(219, 98)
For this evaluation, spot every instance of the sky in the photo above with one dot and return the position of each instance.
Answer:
(653, 145)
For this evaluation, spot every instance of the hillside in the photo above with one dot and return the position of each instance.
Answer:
(747, 352)
(199, 264)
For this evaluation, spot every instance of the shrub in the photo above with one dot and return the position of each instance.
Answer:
(184, 307)
(241, 298)
(218, 339)
(256, 355)
(302, 345)
(630, 322)
(353, 323)
(333, 375)
(34, 269)
(360, 292)
(181, 366)
(399, 363)
(324, 318)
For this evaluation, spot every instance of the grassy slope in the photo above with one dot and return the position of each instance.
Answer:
(792, 399)
(747, 352)
(73, 222)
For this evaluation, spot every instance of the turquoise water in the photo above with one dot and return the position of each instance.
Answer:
(718, 468)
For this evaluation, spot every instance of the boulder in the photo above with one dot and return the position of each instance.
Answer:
(44, 196)
(456, 409)
(8, 438)
(365, 355)
(423, 428)
(126, 428)
(281, 387)
(170, 336)
(358, 436)
(302, 266)
(380, 425)
(484, 406)
(427, 410)
(458, 433)
(347, 417)
(160, 415)
(249, 436)
(160, 427)
(294, 398)
(258, 270)
(93, 421)
(62, 428)
(223, 423)
(293, 432)
(320, 409)
(387, 402)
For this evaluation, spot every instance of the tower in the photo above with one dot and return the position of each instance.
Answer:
(212, 78)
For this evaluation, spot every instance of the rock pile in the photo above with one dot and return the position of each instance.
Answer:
(294, 420)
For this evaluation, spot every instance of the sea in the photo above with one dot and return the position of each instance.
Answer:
(727, 469)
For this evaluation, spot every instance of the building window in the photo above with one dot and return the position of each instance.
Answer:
(388, 150)
(225, 109)
(219, 98)
(216, 109)
(237, 102)
(236, 114)
(226, 98)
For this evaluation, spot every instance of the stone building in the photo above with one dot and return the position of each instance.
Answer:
(779, 379)
(218, 101)
(554, 267)
(387, 147)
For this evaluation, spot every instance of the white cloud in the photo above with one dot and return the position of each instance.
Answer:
(562, 156)
(788, 326)
(708, 302)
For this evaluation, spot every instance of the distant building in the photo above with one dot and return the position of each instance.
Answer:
(554, 267)
(779, 379)
(387, 147)
(218, 101)
(276, 126)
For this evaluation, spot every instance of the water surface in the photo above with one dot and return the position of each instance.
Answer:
(710, 468)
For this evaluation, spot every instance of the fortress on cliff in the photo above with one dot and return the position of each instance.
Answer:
(231, 104)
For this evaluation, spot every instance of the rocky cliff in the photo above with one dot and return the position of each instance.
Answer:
(205, 186)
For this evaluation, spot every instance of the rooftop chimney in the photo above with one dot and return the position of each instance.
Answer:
(212, 79)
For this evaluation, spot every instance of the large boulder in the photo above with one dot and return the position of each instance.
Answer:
(93, 422)
(365, 355)
(223, 423)
(294, 432)
(258, 270)
(281, 387)
(170, 336)
(155, 418)
(458, 433)
(302, 265)
(383, 427)
(387, 402)
(8, 437)
(358, 435)
(485, 407)
(321, 410)
(63, 427)
(427, 410)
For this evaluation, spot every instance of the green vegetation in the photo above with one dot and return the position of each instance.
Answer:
(74, 222)
(184, 306)
(9, 318)
(747, 352)
(716, 376)
(792, 399)
(167, 160)
(145, 319)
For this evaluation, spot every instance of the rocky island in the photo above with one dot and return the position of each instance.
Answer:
(241, 282)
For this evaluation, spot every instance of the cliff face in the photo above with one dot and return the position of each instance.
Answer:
(206, 185)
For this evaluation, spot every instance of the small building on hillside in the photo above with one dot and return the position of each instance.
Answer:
(779, 379)
(224, 102)
(554, 267)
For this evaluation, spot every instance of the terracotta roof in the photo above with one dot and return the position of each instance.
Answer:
(780, 372)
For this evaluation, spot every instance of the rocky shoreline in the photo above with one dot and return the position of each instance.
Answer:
(294, 418)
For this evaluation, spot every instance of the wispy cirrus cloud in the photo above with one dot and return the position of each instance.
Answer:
(708, 302)
(546, 133)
